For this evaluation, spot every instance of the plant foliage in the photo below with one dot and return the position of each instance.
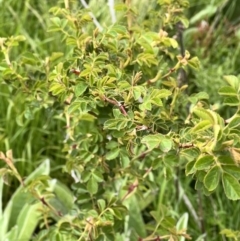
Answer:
(129, 126)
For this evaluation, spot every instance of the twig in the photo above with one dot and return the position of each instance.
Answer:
(95, 21)
(180, 29)
(116, 103)
(112, 10)
(43, 201)
(168, 73)
(141, 155)
(131, 188)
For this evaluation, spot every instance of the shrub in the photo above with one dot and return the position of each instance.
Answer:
(129, 127)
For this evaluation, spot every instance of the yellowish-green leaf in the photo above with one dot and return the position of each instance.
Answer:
(194, 63)
(227, 91)
(201, 126)
(204, 162)
(232, 81)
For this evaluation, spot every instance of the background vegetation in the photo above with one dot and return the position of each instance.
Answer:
(36, 130)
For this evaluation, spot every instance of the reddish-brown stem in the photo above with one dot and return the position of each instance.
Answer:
(42, 200)
(131, 188)
(116, 103)
(141, 156)
(75, 71)
(169, 72)
(147, 172)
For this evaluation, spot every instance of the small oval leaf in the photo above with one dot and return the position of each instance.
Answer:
(211, 180)
(231, 186)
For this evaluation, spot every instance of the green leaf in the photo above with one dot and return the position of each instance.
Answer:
(226, 160)
(227, 91)
(55, 55)
(27, 220)
(204, 114)
(173, 42)
(113, 154)
(232, 81)
(182, 224)
(97, 175)
(152, 141)
(116, 124)
(112, 144)
(92, 185)
(79, 106)
(56, 21)
(118, 211)
(135, 220)
(86, 176)
(138, 91)
(211, 180)
(117, 113)
(231, 186)
(80, 88)
(156, 101)
(169, 42)
(184, 21)
(146, 58)
(12, 234)
(194, 98)
(30, 58)
(231, 101)
(204, 162)
(20, 38)
(57, 88)
(165, 145)
(101, 204)
(162, 93)
(234, 123)
(64, 194)
(202, 96)
(5, 218)
(217, 130)
(190, 168)
(120, 29)
(201, 126)
(230, 234)
(194, 63)
(233, 170)
(146, 105)
(171, 159)
(19, 198)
